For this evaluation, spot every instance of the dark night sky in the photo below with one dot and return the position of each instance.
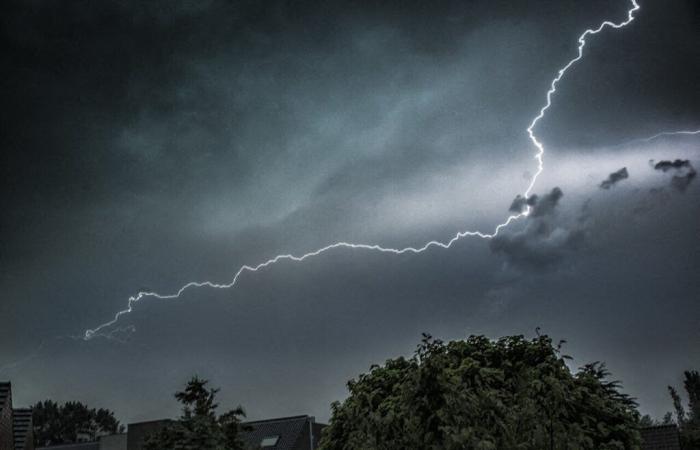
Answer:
(147, 144)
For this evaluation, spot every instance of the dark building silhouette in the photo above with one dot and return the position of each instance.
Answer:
(22, 429)
(109, 442)
(137, 433)
(113, 442)
(286, 433)
(7, 439)
(78, 446)
(662, 437)
(15, 423)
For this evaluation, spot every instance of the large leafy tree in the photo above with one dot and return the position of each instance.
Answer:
(199, 428)
(70, 423)
(688, 421)
(512, 393)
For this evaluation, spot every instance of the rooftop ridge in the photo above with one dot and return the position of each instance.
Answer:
(278, 419)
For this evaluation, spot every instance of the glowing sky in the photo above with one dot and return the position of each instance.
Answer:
(152, 145)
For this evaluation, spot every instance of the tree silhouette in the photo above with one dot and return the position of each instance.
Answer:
(199, 428)
(688, 422)
(482, 394)
(70, 423)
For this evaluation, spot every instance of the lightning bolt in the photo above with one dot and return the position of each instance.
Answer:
(539, 157)
(662, 134)
(671, 133)
(117, 334)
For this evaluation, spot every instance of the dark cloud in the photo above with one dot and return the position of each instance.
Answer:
(147, 144)
(545, 205)
(681, 182)
(673, 165)
(520, 202)
(614, 177)
(544, 241)
(684, 172)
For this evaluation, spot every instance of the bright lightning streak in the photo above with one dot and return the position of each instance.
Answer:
(671, 133)
(118, 334)
(662, 134)
(553, 88)
(539, 156)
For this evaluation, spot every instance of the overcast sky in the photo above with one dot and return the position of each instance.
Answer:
(148, 144)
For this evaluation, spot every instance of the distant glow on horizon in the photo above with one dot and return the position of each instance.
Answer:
(539, 157)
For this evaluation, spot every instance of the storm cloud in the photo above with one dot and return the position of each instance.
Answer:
(615, 177)
(684, 172)
(544, 241)
(520, 202)
(149, 144)
(677, 164)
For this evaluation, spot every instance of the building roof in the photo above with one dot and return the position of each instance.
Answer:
(662, 437)
(22, 426)
(81, 446)
(278, 434)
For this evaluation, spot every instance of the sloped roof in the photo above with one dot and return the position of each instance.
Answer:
(663, 437)
(82, 446)
(289, 430)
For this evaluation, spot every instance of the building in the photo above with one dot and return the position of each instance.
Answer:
(301, 433)
(286, 433)
(15, 423)
(22, 429)
(138, 432)
(113, 442)
(662, 437)
(77, 446)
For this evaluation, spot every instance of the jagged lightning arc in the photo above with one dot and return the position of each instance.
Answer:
(671, 133)
(539, 157)
(662, 134)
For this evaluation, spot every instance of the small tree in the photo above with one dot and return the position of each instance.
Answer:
(482, 394)
(688, 422)
(199, 428)
(70, 423)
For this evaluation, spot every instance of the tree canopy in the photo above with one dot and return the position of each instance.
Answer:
(688, 421)
(199, 428)
(478, 393)
(70, 423)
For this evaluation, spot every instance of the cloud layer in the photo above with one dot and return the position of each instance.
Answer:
(543, 241)
(684, 172)
(149, 144)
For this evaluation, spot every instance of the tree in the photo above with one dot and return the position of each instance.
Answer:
(688, 422)
(70, 423)
(199, 428)
(647, 421)
(511, 393)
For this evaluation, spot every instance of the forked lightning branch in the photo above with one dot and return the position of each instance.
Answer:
(104, 329)
(115, 331)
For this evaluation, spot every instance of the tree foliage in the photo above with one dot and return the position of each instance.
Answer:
(70, 423)
(647, 421)
(688, 421)
(511, 393)
(199, 428)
